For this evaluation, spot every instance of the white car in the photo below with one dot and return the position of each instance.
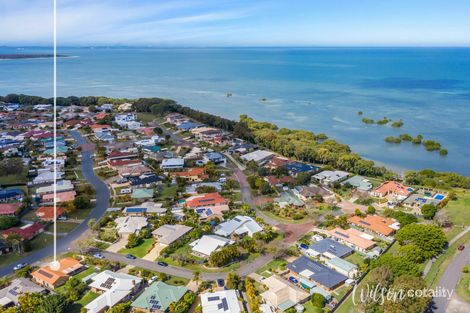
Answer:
(20, 266)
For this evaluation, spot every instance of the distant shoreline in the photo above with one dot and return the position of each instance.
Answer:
(28, 56)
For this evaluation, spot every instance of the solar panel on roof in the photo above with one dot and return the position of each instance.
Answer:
(213, 298)
(209, 212)
(223, 305)
(341, 234)
(44, 273)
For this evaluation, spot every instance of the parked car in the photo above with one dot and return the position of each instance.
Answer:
(131, 256)
(220, 282)
(162, 263)
(19, 266)
(62, 218)
(98, 256)
(303, 246)
(461, 247)
(293, 280)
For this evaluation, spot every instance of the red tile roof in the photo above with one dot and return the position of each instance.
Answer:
(118, 163)
(46, 213)
(10, 208)
(273, 180)
(208, 199)
(195, 171)
(26, 232)
(392, 187)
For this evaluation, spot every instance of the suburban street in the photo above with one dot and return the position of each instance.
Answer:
(102, 200)
(450, 278)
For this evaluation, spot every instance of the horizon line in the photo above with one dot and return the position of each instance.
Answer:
(101, 46)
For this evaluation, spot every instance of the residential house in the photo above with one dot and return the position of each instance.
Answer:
(205, 200)
(172, 164)
(10, 209)
(46, 213)
(204, 246)
(239, 225)
(223, 301)
(60, 197)
(296, 168)
(211, 212)
(158, 297)
(116, 164)
(343, 267)
(113, 288)
(133, 171)
(279, 181)
(377, 224)
(145, 180)
(259, 156)
(392, 189)
(276, 162)
(288, 198)
(309, 270)
(118, 155)
(19, 286)
(329, 249)
(214, 157)
(167, 234)
(306, 193)
(353, 238)
(26, 232)
(47, 177)
(281, 294)
(359, 182)
(330, 177)
(61, 186)
(187, 126)
(142, 193)
(126, 225)
(145, 209)
(194, 174)
(11, 194)
(53, 278)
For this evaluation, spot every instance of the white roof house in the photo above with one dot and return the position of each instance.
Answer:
(47, 177)
(258, 156)
(167, 234)
(329, 177)
(115, 287)
(62, 185)
(130, 224)
(174, 163)
(224, 301)
(238, 225)
(18, 286)
(207, 244)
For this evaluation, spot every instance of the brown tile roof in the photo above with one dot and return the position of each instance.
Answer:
(375, 223)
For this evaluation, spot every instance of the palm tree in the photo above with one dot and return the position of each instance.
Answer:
(196, 276)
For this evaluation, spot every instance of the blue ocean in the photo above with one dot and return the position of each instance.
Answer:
(319, 89)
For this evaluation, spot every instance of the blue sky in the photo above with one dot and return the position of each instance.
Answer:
(238, 22)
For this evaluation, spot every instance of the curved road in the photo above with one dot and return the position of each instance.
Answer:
(102, 200)
(450, 278)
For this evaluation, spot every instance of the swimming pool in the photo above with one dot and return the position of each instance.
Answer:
(439, 196)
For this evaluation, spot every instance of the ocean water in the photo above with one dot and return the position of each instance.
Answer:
(319, 89)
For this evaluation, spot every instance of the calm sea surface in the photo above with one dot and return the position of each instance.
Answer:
(316, 89)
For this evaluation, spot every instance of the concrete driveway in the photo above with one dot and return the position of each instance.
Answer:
(155, 252)
(120, 244)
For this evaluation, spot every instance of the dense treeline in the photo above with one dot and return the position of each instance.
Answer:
(430, 178)
(306, 146)
(300, 144)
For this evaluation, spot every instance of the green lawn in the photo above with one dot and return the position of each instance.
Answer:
(186, 250)
(63, 227)
(463, 287)
(15, 179)
(309, 308)
(177, 281)
(458, 210)
(78, 305)
(141, 250)
(355, 258)
(168, 192)
(85, 273)
(41, 241)
(271, 266)
(146, 117)
(80, 214)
